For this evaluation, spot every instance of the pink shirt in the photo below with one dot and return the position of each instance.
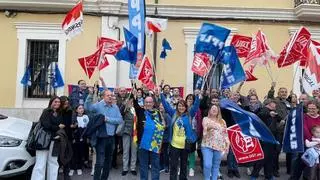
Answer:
(308, 123)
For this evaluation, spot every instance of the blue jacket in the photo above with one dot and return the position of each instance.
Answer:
(190, 134)
(75, 97)
(96, 128)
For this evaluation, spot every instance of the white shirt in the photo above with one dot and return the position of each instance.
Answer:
(83, 121)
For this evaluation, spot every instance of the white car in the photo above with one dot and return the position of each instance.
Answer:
(14, 158)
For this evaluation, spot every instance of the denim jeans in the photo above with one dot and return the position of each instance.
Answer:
(104, 151)
(211, 163)
(144, 157)
(231, 162)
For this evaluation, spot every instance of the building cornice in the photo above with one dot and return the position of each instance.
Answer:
(120, 7)
(315, 32)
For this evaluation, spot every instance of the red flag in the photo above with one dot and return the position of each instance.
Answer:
(201, 64)
(296, 49)
(103, 62)
(303, 61)
(90, 63)
(260, 52)
(249, 75)
(245, 148)
(242, 45)
(110, 46)
(146, 74)
(72, 25)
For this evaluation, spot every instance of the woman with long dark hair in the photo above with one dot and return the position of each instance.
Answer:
(180, 134)
(46, 167)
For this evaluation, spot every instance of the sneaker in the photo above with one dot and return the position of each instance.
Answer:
(134, 172)
(166, 171)
(191, 172)
(71, 172)
(124, 173)
(248, 171)
(92, 172)
(178, 171)
(79, 172)
(60, 170)
(162, 170)
(261, 173)
(237, 174)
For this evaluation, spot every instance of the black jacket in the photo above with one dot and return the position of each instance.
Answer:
(271, 122)
(50, 122)
(62, 147)
(67, 121)
(96, 128)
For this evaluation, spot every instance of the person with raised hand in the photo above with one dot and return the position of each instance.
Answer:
(181, 134)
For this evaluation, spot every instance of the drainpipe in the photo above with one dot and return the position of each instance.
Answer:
(155, 39)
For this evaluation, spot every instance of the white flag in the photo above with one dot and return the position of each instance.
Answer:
(73, 22)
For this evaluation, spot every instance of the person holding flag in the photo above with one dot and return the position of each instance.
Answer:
(269, 116)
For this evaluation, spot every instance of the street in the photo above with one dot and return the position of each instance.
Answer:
(116, 175)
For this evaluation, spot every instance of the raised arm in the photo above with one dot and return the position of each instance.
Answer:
(271, 91)
(167, 106)
(88, 105)
(194, 108)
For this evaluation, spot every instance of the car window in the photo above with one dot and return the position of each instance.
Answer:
(3, 117)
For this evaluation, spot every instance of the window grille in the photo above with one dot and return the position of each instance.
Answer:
(42, 55)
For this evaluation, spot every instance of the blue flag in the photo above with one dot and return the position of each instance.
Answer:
(211, 39)
(136, 12)
(26, 79)
(129, 52)
(249, 123)
(57, 80)
(232, 72)
(293, 134)
(165, 46)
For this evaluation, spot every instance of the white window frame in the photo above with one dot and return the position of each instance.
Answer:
(36, 31)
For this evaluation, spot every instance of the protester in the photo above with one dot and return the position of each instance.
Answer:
(150, 129)
(283, 108)
(311, 156)
(80, 147)
(129, 146)
(181, 133)
(190, 99)
(119, 101)
(215, 142)
(232, 164)
(105, 138)
(269, 116)
(79, 94)
(66, 113)
(140, 96)
(164, 155)
(46, 166)
(310, 119)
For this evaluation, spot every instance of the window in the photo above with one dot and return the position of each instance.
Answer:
(42, 55)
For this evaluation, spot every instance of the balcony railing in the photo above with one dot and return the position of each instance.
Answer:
(299, 2)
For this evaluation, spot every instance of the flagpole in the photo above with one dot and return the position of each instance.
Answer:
(206, 77)
(269, 73)
(295, 73)
(152, 57)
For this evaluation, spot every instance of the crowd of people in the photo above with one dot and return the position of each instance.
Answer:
(162, 132)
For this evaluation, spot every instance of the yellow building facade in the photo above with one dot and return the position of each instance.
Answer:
(22, 21)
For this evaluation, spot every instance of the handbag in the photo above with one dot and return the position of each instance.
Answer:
(42, 138)
(30, 146)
